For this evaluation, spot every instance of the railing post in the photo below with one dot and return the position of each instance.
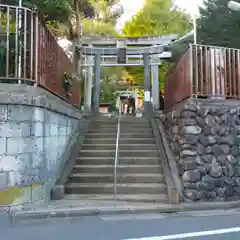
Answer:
(7, 41)
(191, 68)
(116, 155)
(217, 65)
(37, 42)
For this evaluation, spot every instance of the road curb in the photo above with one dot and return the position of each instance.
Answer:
(3, 208)
(71, 212)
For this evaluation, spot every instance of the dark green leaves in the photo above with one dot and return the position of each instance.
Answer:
(218, 25)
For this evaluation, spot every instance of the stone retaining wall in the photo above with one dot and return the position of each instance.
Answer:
(204, 136)
(35, 131)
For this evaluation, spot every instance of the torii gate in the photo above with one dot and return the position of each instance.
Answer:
(147, 52)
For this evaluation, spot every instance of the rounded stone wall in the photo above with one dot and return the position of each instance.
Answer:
(205, 138)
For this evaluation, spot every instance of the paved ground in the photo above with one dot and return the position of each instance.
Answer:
(214, 225)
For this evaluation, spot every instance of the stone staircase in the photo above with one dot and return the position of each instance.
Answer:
(139, 174)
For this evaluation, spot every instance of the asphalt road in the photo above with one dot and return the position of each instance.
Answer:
(214, 225)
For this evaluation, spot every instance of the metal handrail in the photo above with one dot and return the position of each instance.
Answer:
(116, 155)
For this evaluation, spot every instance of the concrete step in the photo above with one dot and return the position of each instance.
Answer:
(122, 140)
(121, 178)
(137, 136)
(104, 123)
(102, 130)
(94, 135)
(121, 146)
(124, 119)
(134, 121)
(122, 125)
(121, 169)
(122, 122)
(135, 130)
(122, 130)
(121, 160)
(108, 188)
(153, 198)
(121, 153)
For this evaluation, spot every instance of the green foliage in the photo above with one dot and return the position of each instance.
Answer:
(104, 20)
(99, 16)
(60, 15)
(157, 18)
(110, 78)
(11, 56)
(93, 27)
(58, 10)
(13, 64)
(105, 11)
(68, 81)
(137, 74)
(3, 23)
(219, 25)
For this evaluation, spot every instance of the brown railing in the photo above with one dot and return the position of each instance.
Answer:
(177, 85)
(29, 53)
(204, 72)
(216, 72)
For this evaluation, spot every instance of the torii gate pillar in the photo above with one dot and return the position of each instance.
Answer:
(147, 91)
(155, 83)
(88, 84)
(97, 88)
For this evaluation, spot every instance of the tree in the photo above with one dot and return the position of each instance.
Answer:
(218, 25)
(107, 11)
(103, 24)
(71, 18)
(75, 18)
(109, 81)
(102, 8)
(106, 14)
(157, 18)
(93, 28)
(54, 10)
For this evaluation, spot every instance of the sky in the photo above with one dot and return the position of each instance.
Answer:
(190, 5)
(131, 7)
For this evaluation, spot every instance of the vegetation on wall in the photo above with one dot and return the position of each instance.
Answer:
(68, 81)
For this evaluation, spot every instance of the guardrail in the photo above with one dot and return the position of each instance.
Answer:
(204, 72)
(30, 54)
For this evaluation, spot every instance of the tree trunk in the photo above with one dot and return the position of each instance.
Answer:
(77, 40)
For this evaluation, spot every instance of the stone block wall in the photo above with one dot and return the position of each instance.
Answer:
(33, 139)
(204, 136)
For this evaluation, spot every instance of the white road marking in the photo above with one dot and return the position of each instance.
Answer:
(191, 235)
(212, 213)
(157, 216)
(133, 217)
